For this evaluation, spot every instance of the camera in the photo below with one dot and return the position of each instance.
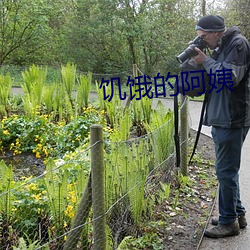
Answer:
(190, 51)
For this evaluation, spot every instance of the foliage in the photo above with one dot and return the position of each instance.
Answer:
(83, 90)
(33, 85)
(22, 23)
(106, 36)
(161, 126)
(5, 90)
(22, 245)
(147, 241)
(43, 207)
(68, 74)
(6, 184)
(43, 137)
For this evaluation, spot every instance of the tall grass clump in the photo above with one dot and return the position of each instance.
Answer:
(34, 80)
(5, 90)
(83, 90)
(68, 75)
(161, 132)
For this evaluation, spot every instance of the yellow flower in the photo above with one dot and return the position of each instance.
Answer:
(37, 196)
(38, 155)
(69, 211)
(73, 199)
(14, 209)
(31, 186)
(6, 132)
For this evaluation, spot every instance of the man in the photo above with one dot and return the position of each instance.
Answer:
(228, 112)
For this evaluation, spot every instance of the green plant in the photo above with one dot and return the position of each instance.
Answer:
(83, 90)
(44, 137)
(184, 181)
(147, 241)
(176, 199)
(6, 184)
(161, 126)
(114, 111)
(126, 172)
(99, 92)
(30, 208)
(68, 74)
(34, 81)
(48, 98)
(164, 191)
(5, 90)
(29, 244)
(56, 187)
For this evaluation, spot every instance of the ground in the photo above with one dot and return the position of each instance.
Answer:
(187, 224)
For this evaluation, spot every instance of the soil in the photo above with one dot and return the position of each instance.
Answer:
(186, 223)
(25, 164)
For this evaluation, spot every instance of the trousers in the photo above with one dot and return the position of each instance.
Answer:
(228, 146)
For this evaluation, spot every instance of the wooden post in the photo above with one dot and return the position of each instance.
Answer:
(98, 195)
(184, 135)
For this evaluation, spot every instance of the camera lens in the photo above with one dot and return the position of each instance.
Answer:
(187, 53)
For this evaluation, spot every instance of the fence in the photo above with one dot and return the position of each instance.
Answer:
(95, 202)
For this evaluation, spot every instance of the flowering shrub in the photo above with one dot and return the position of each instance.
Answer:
(43, 137)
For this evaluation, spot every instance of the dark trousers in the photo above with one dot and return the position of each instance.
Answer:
(228, 145)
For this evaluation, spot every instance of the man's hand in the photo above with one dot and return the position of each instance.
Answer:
(200, 58)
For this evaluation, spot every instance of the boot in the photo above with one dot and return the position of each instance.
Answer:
(241, 219)
(221, 231)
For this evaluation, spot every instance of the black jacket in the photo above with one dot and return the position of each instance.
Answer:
(230, 106)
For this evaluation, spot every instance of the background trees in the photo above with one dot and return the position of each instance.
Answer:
(107, 36)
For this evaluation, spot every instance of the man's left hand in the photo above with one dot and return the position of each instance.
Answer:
(200, 58)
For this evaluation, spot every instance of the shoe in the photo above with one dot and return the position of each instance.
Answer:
(221, 231)
(241, 219)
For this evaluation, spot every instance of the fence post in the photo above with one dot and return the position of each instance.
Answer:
(184, 134)
(98, 195)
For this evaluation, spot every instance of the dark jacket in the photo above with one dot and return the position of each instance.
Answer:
(230, 106)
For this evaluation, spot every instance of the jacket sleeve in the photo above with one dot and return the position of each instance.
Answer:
(191, 79)
(236, 58)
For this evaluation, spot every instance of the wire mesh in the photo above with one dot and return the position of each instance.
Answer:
(41, 210)
(53, 210)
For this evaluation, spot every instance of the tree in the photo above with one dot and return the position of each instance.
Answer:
(237, 13)
(20, 22)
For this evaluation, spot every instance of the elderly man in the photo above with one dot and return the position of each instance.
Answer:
(228, 112)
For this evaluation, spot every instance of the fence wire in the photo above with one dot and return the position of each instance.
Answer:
(43, 210)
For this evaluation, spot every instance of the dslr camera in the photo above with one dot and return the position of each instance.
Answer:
(190, 51)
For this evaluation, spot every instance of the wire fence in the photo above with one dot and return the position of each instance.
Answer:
(57, 209)
(42, 209)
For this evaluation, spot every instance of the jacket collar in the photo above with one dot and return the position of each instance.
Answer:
(231, 32)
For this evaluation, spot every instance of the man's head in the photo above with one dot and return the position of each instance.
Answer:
(211, 28)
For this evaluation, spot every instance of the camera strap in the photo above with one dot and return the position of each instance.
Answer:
(176, 129)
(200, 125)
